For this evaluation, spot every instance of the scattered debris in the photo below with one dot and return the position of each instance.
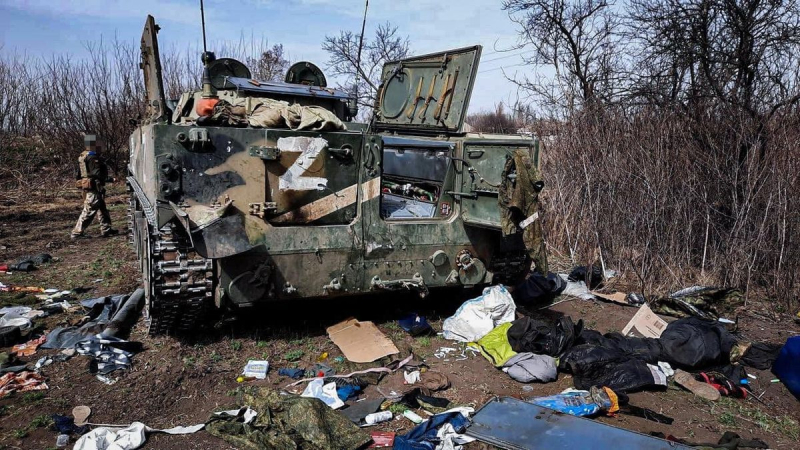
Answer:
(29, 348)
(81, 414)
(256, 369)
(415, 325)
(21, 382)
(382, 439)
(581, 403)
(361, 342)
(325, 392)
(646, 322)
(477, 317)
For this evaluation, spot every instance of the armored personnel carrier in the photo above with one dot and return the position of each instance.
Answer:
(249, 191)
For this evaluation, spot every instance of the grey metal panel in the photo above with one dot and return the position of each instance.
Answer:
(514, 424)
(272, 87)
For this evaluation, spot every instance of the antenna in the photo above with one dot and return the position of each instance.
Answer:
(354, 107)
(203, 22)
(361, 45)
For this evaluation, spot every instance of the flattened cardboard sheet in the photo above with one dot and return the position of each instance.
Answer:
(646, 322)
(361, 342)
(616, 297)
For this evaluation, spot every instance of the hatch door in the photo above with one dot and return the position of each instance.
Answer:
(156, 107)
(429, 93)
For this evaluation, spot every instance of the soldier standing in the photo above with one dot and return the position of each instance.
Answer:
(92, 176)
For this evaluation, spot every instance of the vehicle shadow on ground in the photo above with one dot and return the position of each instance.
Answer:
(309, 318)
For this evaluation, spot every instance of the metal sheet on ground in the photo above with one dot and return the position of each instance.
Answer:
(514, 424)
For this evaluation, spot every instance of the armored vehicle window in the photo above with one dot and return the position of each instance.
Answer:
(413, 179)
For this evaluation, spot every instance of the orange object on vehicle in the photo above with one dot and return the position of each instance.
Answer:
(205, 106)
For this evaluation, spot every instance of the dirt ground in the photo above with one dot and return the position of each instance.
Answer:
(182, 380)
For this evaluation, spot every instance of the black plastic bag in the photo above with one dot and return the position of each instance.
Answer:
(539, 289)
(695, 343)
(536, 336)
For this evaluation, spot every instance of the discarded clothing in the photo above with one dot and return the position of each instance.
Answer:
(21, 382)
(295, 374)
(722, 384)
(320, 370)
(100, 312)
(434, 381)
(269, 113)
(30, 262)
(13, 319)
(538, 288)
(357, 411)
(647, 349)
(518, 199)
(129, 438)
(325, 392)
(591, 365)
(581, 403)
(9, 363)
(699, 301)
(28, 348)
(286, 422)
(760, 355)
(528, 367)
(423, 398)
(424, 435)
(108, 353)
(477, 317)
(10, 335)
(66, 425)
(591, 275)
(347, 392)
(787, 366)
(495, 346)
(415, 325)
(696, 343)
(528, 335)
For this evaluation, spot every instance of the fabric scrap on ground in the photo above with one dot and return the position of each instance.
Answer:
(21, 382)
(108, 353)
(527, 335)
(477, 317)
(287, 422)
(128, 438)
(326, 392)
(426, 436)
(29, 348)
(495, 346)
(529, 367)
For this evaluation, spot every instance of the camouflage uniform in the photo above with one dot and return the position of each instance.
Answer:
(92, 175)
(519, 206)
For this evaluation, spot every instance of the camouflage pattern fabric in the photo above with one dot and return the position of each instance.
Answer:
(93, 202)
(288, 422)
(704, 302)
(519, 201)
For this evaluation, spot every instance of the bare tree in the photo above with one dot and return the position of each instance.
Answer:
(578, 40)
(271, 65)
(342, 50)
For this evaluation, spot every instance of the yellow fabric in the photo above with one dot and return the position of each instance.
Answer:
(495, 346)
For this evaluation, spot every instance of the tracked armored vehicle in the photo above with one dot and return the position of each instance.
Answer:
(250, 191)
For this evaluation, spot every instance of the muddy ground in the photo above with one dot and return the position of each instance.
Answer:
(182, 380)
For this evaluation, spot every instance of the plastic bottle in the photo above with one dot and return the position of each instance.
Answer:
(378, 417)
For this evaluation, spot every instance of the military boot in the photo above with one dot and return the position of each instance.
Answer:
(110, 232)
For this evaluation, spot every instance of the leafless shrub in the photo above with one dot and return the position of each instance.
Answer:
(387, 45)
(682, 171)
(47, 104)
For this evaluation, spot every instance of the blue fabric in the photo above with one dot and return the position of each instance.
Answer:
(345, 392)
(787, 365)
(414, 324)
(291, 373)
(423, 436)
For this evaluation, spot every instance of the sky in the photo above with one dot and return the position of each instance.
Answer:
(46, 27)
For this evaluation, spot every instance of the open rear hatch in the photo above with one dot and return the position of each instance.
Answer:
(156, 105)
(429, 92)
